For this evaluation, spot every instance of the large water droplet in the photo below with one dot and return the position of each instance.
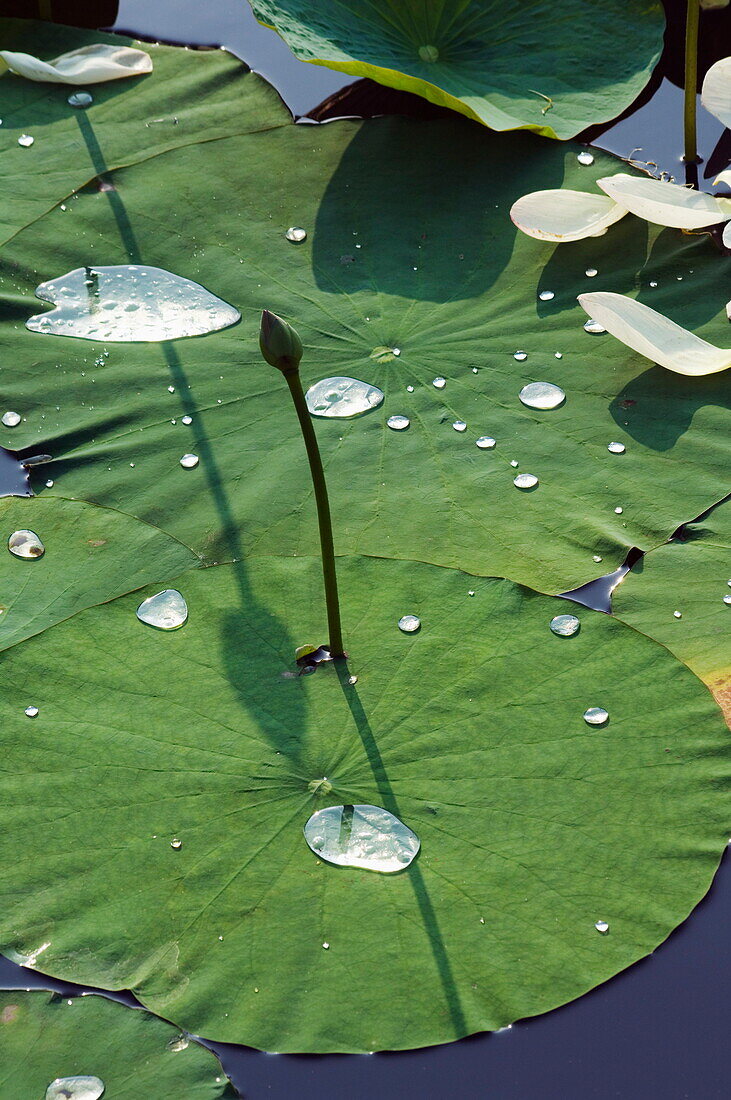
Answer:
(439, 383)
(127, 303)
(547, 295)
(616, 448)
(167, 610)
(520, 355)
(26, 140)
(677, 614)
(186, 420)
(591, 272)
(26, 544)
(75, 1088)
(727, 599)
(176, 844)
(368, 837)
(180, 1042)
(542, 395)
(11, 419)
(596, 716)
(398, 423)
(525, 481)
(485, 442)
(409, 624)
(565, 625)
(31, 712)
(342, 398)
(459, 426)
(296, 234)
(585, 158)
(189, 462)
(594, 327)
(602, 926)
(80, 99)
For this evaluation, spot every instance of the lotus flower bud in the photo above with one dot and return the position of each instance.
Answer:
(280, 345)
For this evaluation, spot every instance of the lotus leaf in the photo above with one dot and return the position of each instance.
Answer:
(510, 64)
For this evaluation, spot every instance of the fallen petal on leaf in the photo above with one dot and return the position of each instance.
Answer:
(89, 65)
(665, 203)
(716, 91)
(652, 334)
(726, 238)
(562, 215)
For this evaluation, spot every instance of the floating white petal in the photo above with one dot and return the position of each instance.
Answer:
(654, 335)
(89, 65)
(665, 203)
(561, 215)
(727, 235)
(716, 91)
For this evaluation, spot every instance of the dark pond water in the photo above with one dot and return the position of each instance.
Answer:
(657, 1031)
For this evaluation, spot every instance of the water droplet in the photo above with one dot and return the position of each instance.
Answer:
(475, 370)
(520, 355)
(80, 99)
(127, 303)
(618, 511)
(11, 419)
(585, 158)
(525, 481)
(326, 945)
(616, 448)
(596, 558)
(368, 837)
(547, 295)
(653, 283)
(557, 355)
(593, 327)
(485, 442)
(171, 389)
(565, 625)
(296, 234)
(727, 600)
(75, 1088)
(602, 926)
(32, 712)
(167, 610)
(542, 395)
(514, 463)
(352, 680)
(186, 420)
(677, 614)
(471, 592)
(189, 462)
(409, 624)
(429, 53)
(398, 423)
(26, 544)
(439, 383)
(176, 844)
(596, 716)
(459, 426)
(396, 352)
(180, 1042)
(26, 140)
(591, 272)
(342, 398)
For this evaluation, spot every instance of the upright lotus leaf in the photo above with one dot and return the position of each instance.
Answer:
(510, 64)
(680, 594)
(91, 555)
(409, 273)
(45, 1038)
(170, 776)
(190, 97)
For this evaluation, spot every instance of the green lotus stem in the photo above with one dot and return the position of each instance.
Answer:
(691, 80)
(282, 348)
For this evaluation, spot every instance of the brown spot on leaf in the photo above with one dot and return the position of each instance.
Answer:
(627, 403)
(96, 542)
(721, 688)
(8, 1014)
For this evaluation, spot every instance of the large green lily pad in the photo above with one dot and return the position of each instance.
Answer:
(691, 575)
(44, 1037)
(520, 64)
(533, 826)
(400, 254)
(189, 97)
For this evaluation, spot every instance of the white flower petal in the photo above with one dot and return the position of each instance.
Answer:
(727, 235)
(561, 215)
(89, 65)
(716, 91)
(723, 177)
(654, 335)
(665, 203)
